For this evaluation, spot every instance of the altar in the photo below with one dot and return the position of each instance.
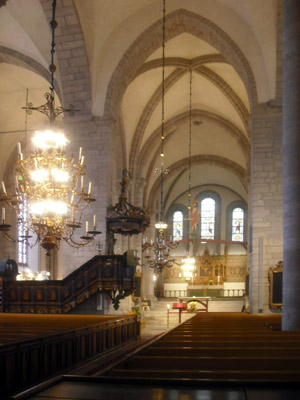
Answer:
(182, 305)
(200, 300)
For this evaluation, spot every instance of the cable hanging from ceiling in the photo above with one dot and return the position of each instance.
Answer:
(160, 248)
(188, 265)
(49, 196)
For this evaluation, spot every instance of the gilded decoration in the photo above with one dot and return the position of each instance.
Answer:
(275, 278)
(211, 269)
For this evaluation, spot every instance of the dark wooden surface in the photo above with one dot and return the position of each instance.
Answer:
(36, 355)
(108, 274)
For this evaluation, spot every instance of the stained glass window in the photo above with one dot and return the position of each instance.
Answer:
(208, 211)
(237, 225)
(177, 225)
(22, 247)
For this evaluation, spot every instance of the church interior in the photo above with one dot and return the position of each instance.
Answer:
(179, 174)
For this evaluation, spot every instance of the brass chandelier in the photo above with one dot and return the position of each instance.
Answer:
(160, 248)
(124, 218)
(49, 196)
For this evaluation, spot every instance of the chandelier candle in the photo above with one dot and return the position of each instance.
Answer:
(47, 198)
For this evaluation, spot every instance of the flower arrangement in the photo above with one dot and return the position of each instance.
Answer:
(192, 307)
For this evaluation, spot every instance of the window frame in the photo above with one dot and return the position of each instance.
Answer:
(229, 212)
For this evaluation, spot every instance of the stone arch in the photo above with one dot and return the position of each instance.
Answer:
(10, 56)
(209, 159)
(146, 114)
(182, 62)
(177, 22)
(169, 82)
(151, 146)
(72, 57)
(199, 189)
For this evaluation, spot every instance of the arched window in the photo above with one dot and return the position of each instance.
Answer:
(177, 225)
(208, 218)
(237, 224)
(22, 246)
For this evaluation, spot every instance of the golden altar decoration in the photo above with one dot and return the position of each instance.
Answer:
(211, 269)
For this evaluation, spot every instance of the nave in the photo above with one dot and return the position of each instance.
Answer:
(230, 356)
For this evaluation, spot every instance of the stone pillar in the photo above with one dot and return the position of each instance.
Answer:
(291, 164)
(93, 135)
(266, 201)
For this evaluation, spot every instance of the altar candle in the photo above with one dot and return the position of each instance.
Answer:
(95, 222)
(81, 186)
(19, 149)
(17, 183)
(90, 187)
(82, 160)
(86, 226)
(3, 214)
(80, 153)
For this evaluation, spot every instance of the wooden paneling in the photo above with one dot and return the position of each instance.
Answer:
(109, 274)
(26, 361)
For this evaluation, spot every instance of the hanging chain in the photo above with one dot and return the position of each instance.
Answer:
(53, 24)
(49, 108)
(190, 143)
(162, 112)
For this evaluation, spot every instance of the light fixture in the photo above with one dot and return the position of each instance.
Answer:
(49, 193)
(124, 218)
(161, 248)
(188, 265)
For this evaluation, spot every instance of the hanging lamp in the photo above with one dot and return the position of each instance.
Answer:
(188, 265)
(160, 248)
(50, 194)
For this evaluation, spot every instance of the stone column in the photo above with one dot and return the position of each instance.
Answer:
(266, 201)
(266, 204)
(291, 164)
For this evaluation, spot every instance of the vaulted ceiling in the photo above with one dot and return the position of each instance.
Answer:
(221, 99)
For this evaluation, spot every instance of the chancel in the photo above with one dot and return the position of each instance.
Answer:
(191, 109)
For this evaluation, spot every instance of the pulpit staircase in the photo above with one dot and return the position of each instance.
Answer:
(112, 275)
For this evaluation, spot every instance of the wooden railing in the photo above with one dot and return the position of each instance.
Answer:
(24, 362)
(113, 275)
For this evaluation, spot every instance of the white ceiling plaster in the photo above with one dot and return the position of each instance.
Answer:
(136, 97)
(185, 46)
(230, 76)
(116, 27)
(25, 29)
(203, 175)
(12, 99)
(110, 28)
(205, 96)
